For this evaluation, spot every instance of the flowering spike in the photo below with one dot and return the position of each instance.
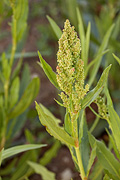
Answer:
(70, 69)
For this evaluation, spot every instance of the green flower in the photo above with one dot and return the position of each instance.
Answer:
(102, 108)
(70, 69)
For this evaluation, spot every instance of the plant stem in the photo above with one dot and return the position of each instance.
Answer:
(94, 124)
(77, 148)
(13, 41)
(80, 164)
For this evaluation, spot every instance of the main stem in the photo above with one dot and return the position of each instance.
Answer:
(77, 148)
(80, 163)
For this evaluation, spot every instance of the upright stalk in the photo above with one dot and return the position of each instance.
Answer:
(14, 33)
(77, 149)
(80, 163)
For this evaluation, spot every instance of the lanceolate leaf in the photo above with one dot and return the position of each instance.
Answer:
(53, 128)
(18, 149)
(48, 71)
(14, 92)
(39, 169)
(118, 60)
(106, 158)
(115, 125)
(91, 159)
(97, 172)
(114, 120)
(55, 27)
(84, 142)
(28, 96)
(101, 49)
(91, 96)
(106, 177)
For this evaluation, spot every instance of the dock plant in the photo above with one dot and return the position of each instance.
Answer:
(75, 95)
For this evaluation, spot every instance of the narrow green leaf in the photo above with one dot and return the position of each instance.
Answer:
(91, 159)
(17, 69)
(51, 153)
(118, 60)
(39, 169)
(113, 143)
(94, 61)
(5, 67)
(55, 27)
(59, 103)
(8, 168)
(115, 125)
(81, 34)
(106, 158)
(30, 139)
(101, 49)
(29, 95)
(20, 15)
(48, 71)
(18, 149)
(47, 112)
(14, 92)
(22, 167)
(84, 142)
(106, 177)
(92, 95)
(1, 156)
(68, 124)
(87, 43)
(53, 128)
(97, 172)
(70, 8)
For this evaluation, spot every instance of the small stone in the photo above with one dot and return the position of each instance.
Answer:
(66, 174)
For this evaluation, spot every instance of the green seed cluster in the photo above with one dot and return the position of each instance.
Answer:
(102, 108)
(70, 69)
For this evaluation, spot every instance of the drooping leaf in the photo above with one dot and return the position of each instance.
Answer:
(29, 94)
(92, 95)
(55, 27)
(53, 128)
(39, 169)
(48, 71)
(18, 149)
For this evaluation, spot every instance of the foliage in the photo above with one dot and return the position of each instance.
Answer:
(15, 95)
(75, 99)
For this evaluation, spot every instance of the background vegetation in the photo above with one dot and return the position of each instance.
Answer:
(25, 28)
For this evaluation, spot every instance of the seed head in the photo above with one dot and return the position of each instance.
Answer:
(70, 69)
